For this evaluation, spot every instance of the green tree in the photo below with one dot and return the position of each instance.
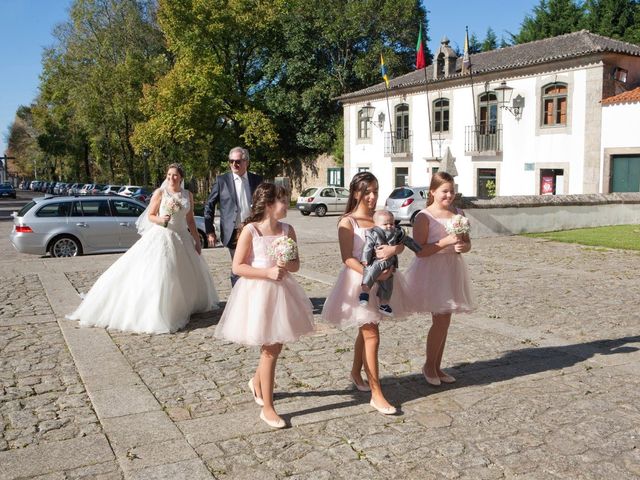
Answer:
(614, 18)
(550, 18)
(92, 83)
(490, 41)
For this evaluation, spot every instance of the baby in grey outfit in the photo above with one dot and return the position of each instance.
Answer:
(384, 232)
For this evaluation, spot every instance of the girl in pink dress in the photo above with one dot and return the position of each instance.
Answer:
(439, 274)
(266, 307)
(342, 307)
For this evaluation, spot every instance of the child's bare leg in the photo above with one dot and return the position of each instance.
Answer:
(371, 336)
(267, 373)
(358, 359)
(435, 343)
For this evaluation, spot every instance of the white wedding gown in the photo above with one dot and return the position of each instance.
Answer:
(156, 285)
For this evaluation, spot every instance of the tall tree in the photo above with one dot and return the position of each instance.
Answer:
(490, 41)
(551, 18)
(614, 18)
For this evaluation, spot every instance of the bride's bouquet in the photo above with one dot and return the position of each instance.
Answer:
(171, 206)
(283, 250)
(458, 225)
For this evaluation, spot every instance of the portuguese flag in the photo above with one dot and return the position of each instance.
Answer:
(420, 60)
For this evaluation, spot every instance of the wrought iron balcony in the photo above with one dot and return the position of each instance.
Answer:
(397, 143)
(483, 139)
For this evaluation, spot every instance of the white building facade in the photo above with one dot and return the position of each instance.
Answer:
(550, 140)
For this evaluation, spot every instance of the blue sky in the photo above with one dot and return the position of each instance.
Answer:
(27, 27)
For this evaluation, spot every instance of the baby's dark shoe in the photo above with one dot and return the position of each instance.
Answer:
(386, 310)
(364, 299)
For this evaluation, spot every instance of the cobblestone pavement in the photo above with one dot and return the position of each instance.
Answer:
(547, 372)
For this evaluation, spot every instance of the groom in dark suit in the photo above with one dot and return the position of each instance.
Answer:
(233, 192)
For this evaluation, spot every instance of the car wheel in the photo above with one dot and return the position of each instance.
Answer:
(203, 239)
(65, 246)
(306, 214)
(321, 211)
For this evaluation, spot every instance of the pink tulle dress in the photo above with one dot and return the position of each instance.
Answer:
(342, 307)
(262, 311)
(441, 282)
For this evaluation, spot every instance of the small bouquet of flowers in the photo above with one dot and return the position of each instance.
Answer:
(458, 225)
(171, 205)
(283, 249)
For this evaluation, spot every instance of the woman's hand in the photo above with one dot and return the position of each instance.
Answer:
(276, 273)
(386, 273)
(281, 263)
(450, 239)
(198, 248)
(164, 220)
(462, 246)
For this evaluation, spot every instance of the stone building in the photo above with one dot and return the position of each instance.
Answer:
(535, 118)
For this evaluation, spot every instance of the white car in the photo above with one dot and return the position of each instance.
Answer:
(322, 200)
(108, 189)
(128, 190)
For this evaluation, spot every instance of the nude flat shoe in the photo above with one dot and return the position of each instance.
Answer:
(280, 423)
(435, 381)
(362, 388)
(447, 378)
(386, 410)
(256, 398)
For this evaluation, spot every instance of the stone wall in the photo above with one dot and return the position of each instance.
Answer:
(542, 213)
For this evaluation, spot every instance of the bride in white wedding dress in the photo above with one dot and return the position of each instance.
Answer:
(161, 280)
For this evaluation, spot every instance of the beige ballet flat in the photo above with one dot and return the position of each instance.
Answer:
(447, 378)
(386, 410)
(435, 381)
(280, 423)
(361, 388)
(256, 398)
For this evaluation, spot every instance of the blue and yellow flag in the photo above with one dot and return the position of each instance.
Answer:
(383, 71)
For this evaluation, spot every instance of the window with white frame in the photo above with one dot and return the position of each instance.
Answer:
(554, 104)
(364, 132)
(441, 115)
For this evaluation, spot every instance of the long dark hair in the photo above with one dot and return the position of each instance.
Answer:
(438, 178)
(266, 194)
(359, 183)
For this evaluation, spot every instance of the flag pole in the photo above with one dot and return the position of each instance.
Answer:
(467, 59)
(421, 63)
(393, 143)
(385, 77)
(426, 91)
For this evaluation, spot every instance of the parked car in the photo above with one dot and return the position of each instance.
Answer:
(86, 189)
(127, 190)
(7, 190)
(109, 189)
(96, 189)
(405, 202)
(70, 226)
(202, 231)
(35, 185)
(142, 195)
(322, 200)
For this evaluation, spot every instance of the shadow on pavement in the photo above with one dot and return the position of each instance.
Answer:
(513, 364)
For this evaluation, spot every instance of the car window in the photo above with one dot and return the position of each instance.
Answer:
(123, 208)
(55, 209)
(26, 208)
(309, 192)
(400, 193)
(95, 208)
(342, 192)
(328, 192)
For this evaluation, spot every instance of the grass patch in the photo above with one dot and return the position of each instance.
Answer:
(626, 237)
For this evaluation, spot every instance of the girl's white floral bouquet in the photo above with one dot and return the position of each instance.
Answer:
(458, 225)
(171, 205)
(283, 249)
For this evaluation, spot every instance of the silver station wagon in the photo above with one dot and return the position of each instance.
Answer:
(70, 226)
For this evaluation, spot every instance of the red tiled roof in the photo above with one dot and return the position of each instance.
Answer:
(632, 96)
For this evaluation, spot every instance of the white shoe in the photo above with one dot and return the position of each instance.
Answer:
(280, 423)
(386, 410)
(256, 398)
